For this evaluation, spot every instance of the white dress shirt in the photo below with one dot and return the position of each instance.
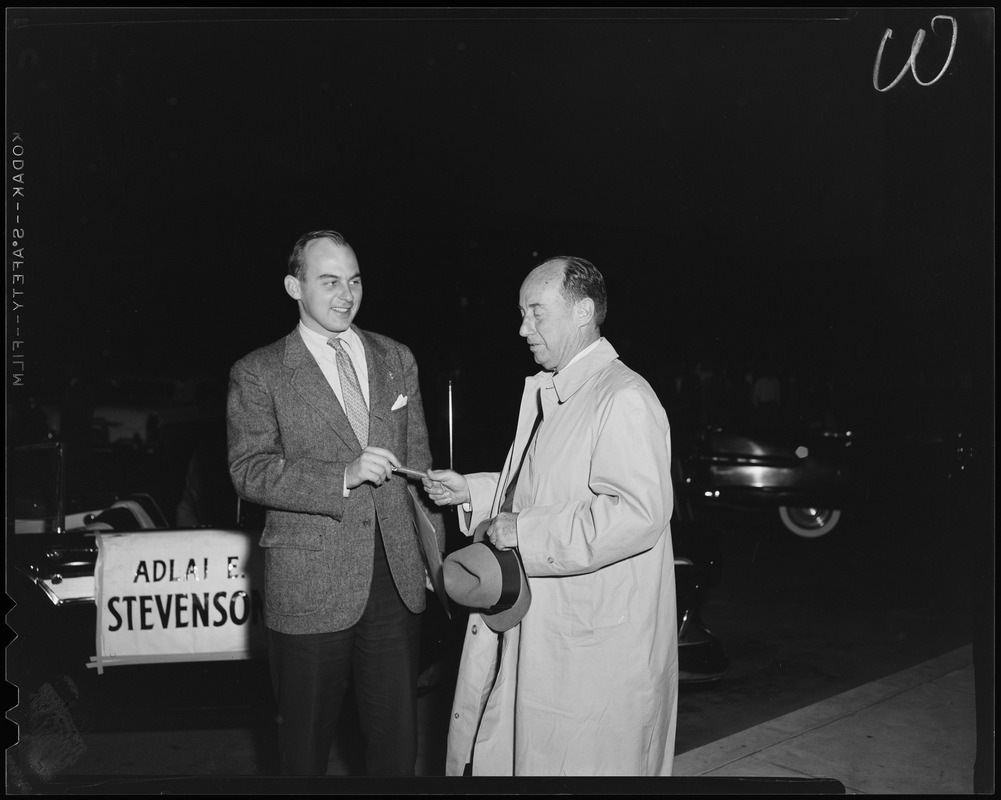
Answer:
(326, 358)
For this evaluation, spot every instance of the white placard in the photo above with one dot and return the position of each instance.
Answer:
(184, 595)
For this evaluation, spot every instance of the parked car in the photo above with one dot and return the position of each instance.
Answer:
(806, 475)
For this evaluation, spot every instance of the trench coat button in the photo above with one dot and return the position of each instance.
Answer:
(474, 630)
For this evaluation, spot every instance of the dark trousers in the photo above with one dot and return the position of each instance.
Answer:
(310, 673)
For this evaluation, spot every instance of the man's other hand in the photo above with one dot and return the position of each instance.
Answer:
(503, 531)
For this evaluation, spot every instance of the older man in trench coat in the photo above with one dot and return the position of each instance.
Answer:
(586, 683)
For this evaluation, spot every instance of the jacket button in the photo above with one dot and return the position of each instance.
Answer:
(366, 523)
(550, 559)
(456, 716)
(474, 630)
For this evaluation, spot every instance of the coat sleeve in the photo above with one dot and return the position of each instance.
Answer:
(482, 488)
(628, 501)
(258, 465)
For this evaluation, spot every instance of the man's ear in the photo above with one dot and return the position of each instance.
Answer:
(584, 311)
(292, 287)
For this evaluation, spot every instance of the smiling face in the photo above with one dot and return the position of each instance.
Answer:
(329, 288)
(556, 328)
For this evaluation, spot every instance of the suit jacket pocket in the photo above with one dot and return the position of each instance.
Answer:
(295, 576)
(283, 529)
(295, 583)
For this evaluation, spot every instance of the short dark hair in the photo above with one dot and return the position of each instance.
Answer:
(582, 279)
(296, 262)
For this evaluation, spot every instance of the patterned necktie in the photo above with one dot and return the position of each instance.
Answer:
(354, 400)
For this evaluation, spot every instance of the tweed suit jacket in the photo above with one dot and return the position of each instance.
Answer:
(289, 443)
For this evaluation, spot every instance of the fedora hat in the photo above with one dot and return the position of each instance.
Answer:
(489, 581)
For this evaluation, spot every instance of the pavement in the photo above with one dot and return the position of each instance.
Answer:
(912, 732)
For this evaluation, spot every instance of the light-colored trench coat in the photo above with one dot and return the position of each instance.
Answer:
(587, 682)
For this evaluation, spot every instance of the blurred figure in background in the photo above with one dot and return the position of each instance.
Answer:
(76, 418)
(26, 422)
(208, 499)
(766, 396)
(76, 428)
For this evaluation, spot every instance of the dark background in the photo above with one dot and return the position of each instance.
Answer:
(735, 175)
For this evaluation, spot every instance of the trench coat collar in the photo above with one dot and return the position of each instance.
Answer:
(568, 381)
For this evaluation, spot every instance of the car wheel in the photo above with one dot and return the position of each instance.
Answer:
(808, 521)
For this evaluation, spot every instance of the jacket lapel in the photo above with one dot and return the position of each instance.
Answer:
(380, 389)
(308, 381)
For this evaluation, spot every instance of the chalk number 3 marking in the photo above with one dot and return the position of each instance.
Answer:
(911, 64)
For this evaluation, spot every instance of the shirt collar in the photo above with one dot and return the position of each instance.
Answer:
(582, 353)
(318, 340)
(582, 367)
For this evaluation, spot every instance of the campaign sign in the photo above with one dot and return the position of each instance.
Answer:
(191, 595)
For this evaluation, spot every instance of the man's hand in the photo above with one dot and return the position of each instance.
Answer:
(446, 487)
(374, 465)
(503, 531)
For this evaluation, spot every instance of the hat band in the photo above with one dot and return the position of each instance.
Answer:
(510, 581)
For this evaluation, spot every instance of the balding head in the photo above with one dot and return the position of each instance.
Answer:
(558, 313)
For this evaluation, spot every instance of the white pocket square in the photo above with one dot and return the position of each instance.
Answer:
(401, 401)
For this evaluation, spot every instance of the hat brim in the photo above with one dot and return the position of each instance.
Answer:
(500, 621)
(489, 581)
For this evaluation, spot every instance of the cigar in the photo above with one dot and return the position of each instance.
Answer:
(410, 473)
